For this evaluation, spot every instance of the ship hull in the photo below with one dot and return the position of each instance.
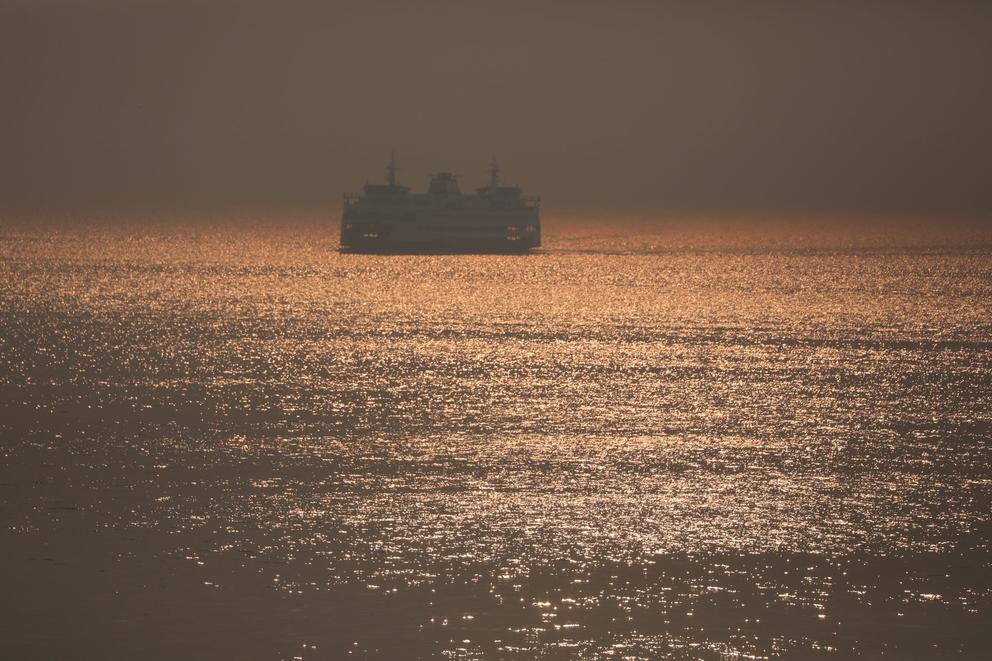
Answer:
(507, 233)
(441, 247)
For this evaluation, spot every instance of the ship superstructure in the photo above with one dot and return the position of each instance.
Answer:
(388, 218)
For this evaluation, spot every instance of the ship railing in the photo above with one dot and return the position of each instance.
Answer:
(530, 201)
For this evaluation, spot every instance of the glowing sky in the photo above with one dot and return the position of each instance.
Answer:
(625, 107)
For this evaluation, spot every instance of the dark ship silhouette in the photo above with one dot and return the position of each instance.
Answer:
(388, 218)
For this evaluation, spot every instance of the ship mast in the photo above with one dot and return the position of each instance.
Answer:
(494, 174)
(391, 169)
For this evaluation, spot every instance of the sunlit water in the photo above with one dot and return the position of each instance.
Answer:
(241, 444)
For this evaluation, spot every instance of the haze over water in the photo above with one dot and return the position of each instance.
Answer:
(239, 443)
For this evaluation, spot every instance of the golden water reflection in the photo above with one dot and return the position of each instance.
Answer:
(726, 454)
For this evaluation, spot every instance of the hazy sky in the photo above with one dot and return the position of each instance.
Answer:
(619, 107)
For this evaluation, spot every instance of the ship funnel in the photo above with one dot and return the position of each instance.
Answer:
(443, 183)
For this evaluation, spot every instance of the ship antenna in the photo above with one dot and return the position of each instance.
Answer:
(493, 173)
(391, 169)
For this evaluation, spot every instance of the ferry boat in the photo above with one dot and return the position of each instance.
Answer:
(388, 218)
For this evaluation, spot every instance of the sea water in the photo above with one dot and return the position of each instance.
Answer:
(238, 443)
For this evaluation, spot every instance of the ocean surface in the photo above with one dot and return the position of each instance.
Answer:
(238, 443)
